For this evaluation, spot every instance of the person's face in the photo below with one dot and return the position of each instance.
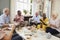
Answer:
(36, 14)
(7, 12)
(19, 13)
(54, 16)
(44, 15)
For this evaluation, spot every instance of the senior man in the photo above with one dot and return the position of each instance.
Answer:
(5, 18)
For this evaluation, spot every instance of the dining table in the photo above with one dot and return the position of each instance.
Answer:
(36, 34)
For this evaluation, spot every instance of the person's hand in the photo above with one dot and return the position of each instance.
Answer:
(2, 34)
(16, 19)
(4, 28)
(5, 25)
(53, 25)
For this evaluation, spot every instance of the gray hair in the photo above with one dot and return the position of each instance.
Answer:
(5, 9)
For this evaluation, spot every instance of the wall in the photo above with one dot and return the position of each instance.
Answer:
(12, 9)
(47, 8)
(8, 4)
(56, 6)
(4, 4)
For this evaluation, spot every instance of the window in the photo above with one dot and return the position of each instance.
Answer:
(48, 8)
(24, 5)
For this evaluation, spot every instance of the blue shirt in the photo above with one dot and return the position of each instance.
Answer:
(4, 19)
(37, 18)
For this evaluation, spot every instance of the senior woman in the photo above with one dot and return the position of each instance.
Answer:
(54, 24)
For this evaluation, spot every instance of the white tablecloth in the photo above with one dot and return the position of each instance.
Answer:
(39, 35)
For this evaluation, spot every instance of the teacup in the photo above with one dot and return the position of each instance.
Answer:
(48, 35)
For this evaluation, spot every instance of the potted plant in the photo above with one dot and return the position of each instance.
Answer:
(25, 11)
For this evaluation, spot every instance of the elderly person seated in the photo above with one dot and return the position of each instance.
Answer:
(5, 18)
(19, 18)
(54, 23)
(44, 22)
(36, 19)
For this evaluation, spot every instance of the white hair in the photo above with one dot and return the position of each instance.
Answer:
(55, 13)
(5, 9)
